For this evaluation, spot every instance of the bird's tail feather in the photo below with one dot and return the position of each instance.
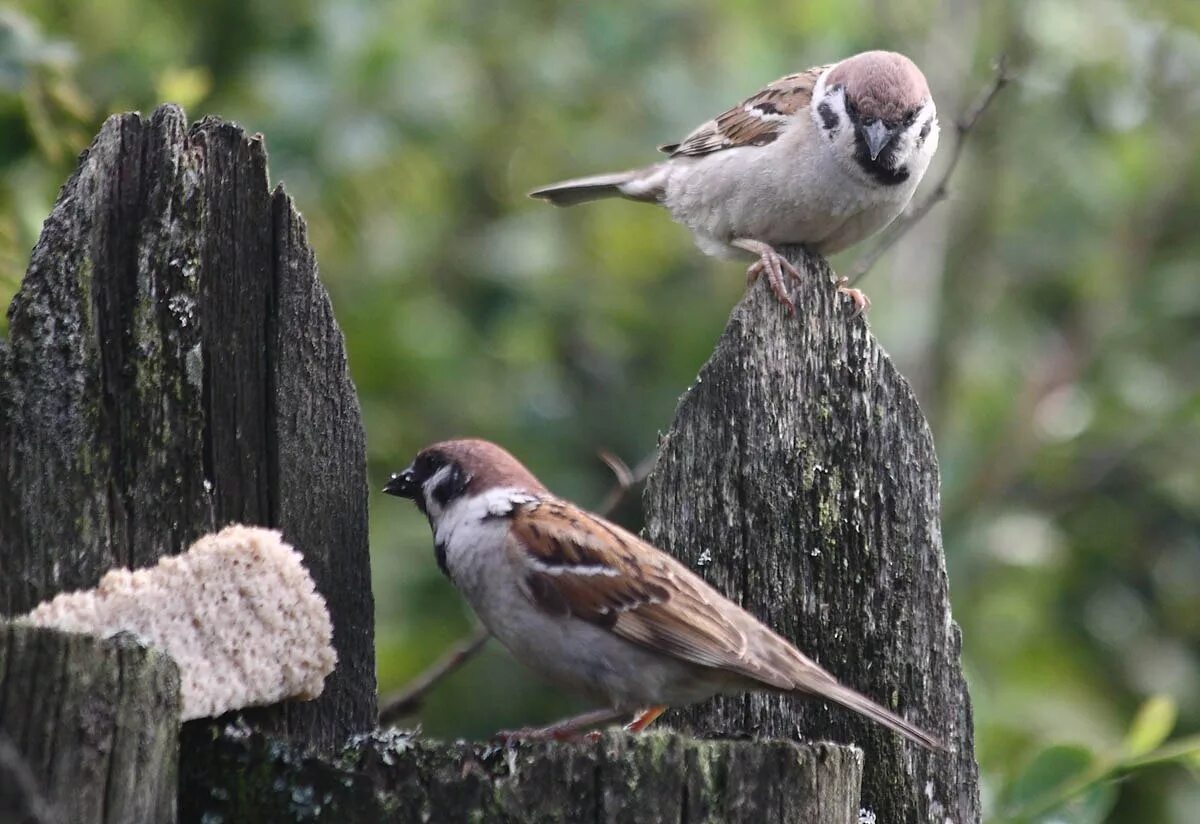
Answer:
(637, 184)
(861, 704)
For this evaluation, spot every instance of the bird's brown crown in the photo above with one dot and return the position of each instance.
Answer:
(882, 85)
(488, 466)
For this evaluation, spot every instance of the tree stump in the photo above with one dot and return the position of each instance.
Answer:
(96, 723)
(799, 478)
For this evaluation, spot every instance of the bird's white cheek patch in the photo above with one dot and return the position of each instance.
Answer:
(432, 506)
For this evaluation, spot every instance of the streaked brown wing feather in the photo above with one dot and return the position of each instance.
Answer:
(755, 121)
(582, 565)
(575, 563)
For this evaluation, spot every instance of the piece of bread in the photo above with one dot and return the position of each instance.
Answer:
(238, 612)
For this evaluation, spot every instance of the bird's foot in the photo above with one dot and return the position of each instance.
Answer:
(773, 264)
(552, 733)
(569, 729)
(644, 718)
(861, 302)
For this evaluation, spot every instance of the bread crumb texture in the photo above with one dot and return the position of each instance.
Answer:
(238, 612)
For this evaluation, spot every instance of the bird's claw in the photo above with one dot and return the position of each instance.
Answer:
(861, 302)
(510, 738)
(775, 265)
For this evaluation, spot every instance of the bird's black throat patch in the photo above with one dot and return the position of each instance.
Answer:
(439, 552)
(880, 169)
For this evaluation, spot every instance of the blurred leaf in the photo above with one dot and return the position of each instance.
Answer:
(1046, 777)
(1151, 726)
(1185, 751)
(1092, 806)
(41, 124)
(185, 86)
(67, 96)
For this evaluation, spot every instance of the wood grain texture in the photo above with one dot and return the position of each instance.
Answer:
(799, 477)
(21, 800)
(95, 721)
(173, 366)
(653, 778)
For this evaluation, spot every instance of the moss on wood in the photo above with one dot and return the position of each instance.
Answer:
(397, 776)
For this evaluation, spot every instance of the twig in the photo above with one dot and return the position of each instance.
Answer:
(962, 129)
(627, 479)
(406, 700)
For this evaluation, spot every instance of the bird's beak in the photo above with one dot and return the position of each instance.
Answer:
(402, 485)
(877, 136)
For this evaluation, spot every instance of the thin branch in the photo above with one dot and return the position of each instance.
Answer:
(626, 479)
(962, 128)
(408, 699)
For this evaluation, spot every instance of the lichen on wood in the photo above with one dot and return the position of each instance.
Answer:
(396, 776)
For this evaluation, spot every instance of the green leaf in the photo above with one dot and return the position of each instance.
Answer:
(1192, 762)
(1151, 726)
(1046, 776)
(1091, 806)
(1184, 750)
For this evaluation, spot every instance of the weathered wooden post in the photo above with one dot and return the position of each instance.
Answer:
(96, 720)
(173, 365)
(21, 800)
(799, 476)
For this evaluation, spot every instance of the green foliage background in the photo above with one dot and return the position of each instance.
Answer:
(1048, 313)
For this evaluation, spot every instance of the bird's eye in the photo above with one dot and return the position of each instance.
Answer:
(925, 130)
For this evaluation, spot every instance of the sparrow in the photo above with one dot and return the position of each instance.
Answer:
(823, 158)
(591, 606)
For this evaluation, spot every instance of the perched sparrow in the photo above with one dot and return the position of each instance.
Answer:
(823, 158)
(592, 606)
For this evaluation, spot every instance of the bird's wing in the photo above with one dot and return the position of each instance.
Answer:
(756, 121)
(576, 563)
